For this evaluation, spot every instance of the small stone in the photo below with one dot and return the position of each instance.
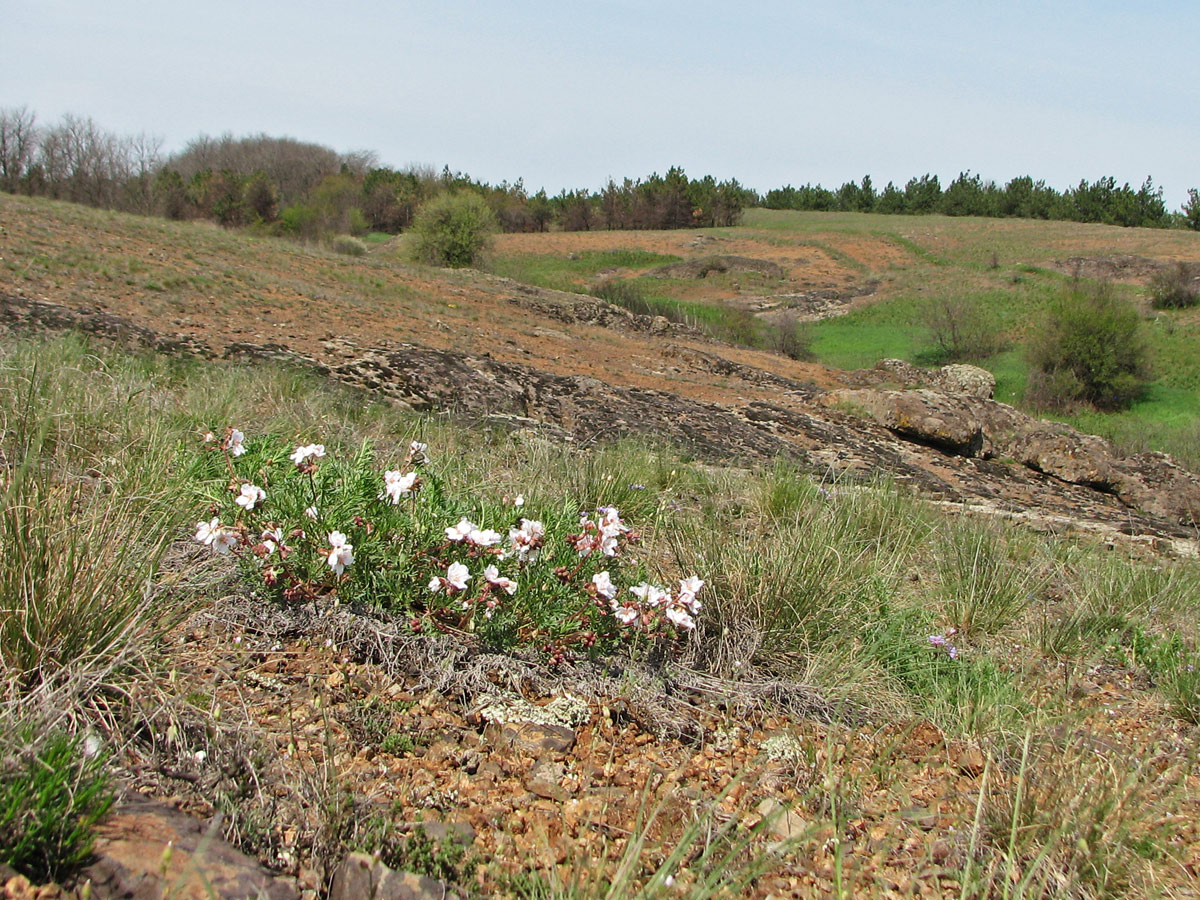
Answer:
(536, 739)
(546, 789)
(458, 832)
(783, 823)
(971, 761)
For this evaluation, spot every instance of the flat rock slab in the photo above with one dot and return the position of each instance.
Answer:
(130, 850)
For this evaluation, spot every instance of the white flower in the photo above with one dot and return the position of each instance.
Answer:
(492, 574)
(272, 539)
(461, 531)
(624, 614)
(527, 538)
(455, 579)
(214, 534)
(206, 532)
(305, 451)
(234, 443)
(311, 512)
(225, 540)
(417, 453)
(604, 586)
(397, 485)
(650, 595)
(483, 537)
(341, 554)
(680, 617)
(688, 588)
(457, 576)
(251, 495)
(519, 501)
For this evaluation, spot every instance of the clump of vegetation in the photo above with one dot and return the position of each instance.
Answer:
(1174, 287)
(963, 328)
(1088, 351)
(51, 796)
(791, 337)
(348, 245)
(304, 524)
(452, 230)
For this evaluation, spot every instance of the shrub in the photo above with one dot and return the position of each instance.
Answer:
(452, 230)
(1088, 351)
(51, 795)
(350, 246)
(1174, 288)
(792, 337)
(963, 328)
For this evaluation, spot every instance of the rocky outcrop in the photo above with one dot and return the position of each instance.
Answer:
(580, 309)
(952, 379)
(584, 408)
(26, 314)
(974, 427)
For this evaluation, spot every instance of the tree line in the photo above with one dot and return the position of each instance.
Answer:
(1101, 201)
(306, 190)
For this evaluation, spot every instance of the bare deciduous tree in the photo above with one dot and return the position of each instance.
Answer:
(18, 141)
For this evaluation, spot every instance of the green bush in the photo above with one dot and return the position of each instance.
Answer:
(1088, 351)
(51, 796)
(452, 230)
(1174, 288)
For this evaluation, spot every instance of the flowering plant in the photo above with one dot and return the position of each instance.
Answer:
(303, 523)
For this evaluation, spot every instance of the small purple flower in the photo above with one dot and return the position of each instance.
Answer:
(937, 640)
(952, 652)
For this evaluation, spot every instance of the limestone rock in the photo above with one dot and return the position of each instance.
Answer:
(963, 379)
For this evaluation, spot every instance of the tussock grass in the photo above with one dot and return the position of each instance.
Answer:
(1074, 818)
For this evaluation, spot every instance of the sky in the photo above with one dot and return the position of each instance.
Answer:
(566, 94)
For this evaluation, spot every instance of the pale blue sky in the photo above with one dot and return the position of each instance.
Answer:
(566, 94)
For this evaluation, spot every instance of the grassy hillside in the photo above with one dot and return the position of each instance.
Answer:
(1014, 268)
